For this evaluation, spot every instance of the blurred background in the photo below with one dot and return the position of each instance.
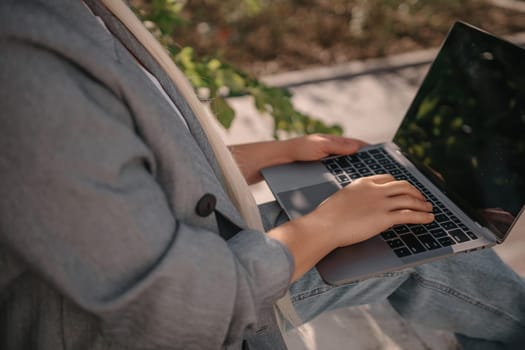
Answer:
(226, 47)
(269, 36)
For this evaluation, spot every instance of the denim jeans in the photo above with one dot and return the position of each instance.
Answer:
(476, 296)
(473, 295)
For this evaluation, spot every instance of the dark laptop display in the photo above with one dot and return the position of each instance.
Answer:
(466, 127)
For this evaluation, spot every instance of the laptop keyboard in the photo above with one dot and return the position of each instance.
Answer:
(405, 240)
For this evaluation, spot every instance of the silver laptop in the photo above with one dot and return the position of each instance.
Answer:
(462, 143)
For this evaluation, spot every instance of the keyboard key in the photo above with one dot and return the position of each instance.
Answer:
(359, 165)
(441, 218)
(438, 232)
(455, 219)
(343, 163)
(429, 242)
(449, 225)
(390, 166)
(418, 229)
(418, 184)
(459, 236)
(387, 156)
(395, 243)
(353, 158)
(401, 252)
(342, 178)
(446, 241)
(389, 234)
(471, 234)
(432, 225)
(412, 243)
(381, 171)
(365, 155)
(355, 176)
(401, 229)
(350, 170)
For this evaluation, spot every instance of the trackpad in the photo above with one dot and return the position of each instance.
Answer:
(303, 200)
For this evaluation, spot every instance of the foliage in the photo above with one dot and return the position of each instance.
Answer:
(215, 80)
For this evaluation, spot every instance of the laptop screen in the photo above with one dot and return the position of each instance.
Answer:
(466, 126)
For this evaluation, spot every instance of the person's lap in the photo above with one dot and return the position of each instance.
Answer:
(474, 294)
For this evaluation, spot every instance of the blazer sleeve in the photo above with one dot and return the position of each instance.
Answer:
(81, 208)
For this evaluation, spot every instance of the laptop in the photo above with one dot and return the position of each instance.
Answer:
(461, 142)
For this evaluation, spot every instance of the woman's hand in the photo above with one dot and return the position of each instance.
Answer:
(318, 146)
(253, 157)
(370, 205)
(357, 212)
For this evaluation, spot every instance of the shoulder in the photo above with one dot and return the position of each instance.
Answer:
(51, 53)
(64, 27)
(38, 18)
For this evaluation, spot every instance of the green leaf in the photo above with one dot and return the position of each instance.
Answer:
(214, 64)
(252, 6)
(223, 111)
(166, 14)
(229, 78)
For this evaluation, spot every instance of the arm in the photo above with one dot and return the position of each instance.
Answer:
(359, 211)
(252, 157)
(82, 208)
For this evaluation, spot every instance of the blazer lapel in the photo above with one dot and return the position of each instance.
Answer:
(143, 56)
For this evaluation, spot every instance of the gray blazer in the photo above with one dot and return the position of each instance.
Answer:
(102, 242)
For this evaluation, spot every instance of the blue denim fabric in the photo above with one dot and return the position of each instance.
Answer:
(476, 296)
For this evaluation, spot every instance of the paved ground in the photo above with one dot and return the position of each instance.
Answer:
(369, 100)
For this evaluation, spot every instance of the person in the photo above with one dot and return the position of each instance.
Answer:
(124, 223)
